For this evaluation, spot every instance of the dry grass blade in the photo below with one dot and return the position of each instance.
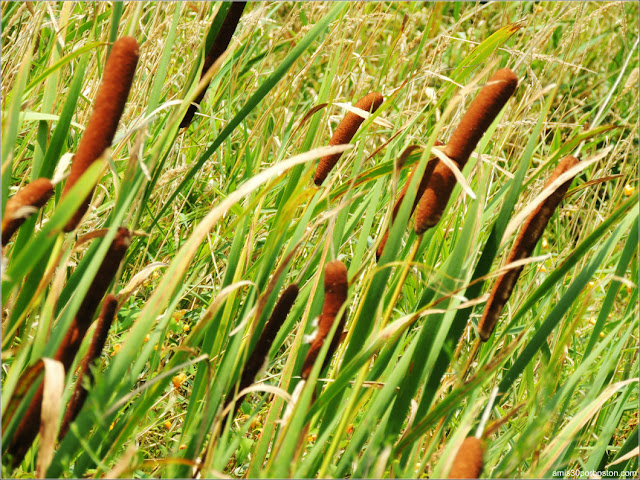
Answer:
(50, 413)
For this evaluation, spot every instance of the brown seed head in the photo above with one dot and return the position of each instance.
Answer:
(220, 44)
(426, 176)
(526, 241)
(79, 395)
(34, 194)
(483, 110)
(336, 289)
(469, 459)
(345, 132)
(435, 198)
(103, 123)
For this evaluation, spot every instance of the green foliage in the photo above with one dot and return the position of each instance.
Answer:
(229, 208)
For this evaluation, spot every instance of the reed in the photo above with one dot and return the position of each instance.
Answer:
(30, 424)
(483, 110)
(35, 195)
(469, 460)
(103, 123)
(424, 181)
(336, 289)
(220, 44)
(79, 395)
(526, 241)
(344, 132)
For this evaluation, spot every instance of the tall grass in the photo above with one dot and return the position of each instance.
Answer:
(225, 215)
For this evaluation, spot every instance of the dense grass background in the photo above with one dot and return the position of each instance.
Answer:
(220, 235)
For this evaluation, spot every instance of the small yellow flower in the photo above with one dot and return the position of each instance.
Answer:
(542, 269)
(601, 334)
(111, 426)
(155, 347)
(146, 338)
(312, 438)
(592, 284)
(628, 190)
(116, 349)
(592, 321)
(183, 446)
(545, 243)
(186, 327)
(167, 424)
(178, 314)
(178, 379)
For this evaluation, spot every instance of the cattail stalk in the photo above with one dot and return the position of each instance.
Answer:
(79, 395)
(336, 289)
(103, 123)
(35, 194)
(469, 460)
(424, 181)
(345, 131)
(30, 424)
(260, 353)
(483, 110)
(522, 248)
(220, 44)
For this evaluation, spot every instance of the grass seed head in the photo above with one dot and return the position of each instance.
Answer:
(531, 231)
(103, 123)
(345, 131)
(469, 459)
(35, 194)
(483, 110)
(336, 289)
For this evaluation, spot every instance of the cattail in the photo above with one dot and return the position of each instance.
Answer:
(435, 197)
(103, 123)
(79, 395)
(479, 116)
(525, 243)
(469, 459)
(345, 131)
(336, 288)
(35, 195)
(421, 188)
(220, 44)
(261, 351)
(30, 424)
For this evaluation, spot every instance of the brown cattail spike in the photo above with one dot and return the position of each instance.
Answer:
(79, 395)
(103, 123)
(345, 131)
(220, 44)
(435, 197)
(336, 289)
(421, 188)
(526, 241)
(469, 459)
(261, 350)
(30, 424)
(479, 116)
(483, 110)
(35, 195)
